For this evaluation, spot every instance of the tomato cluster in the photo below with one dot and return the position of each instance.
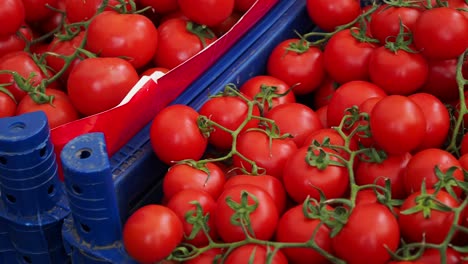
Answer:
(75, 58)
(351, 148)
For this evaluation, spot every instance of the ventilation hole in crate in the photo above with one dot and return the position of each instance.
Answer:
(11, 198)
(83, 153)
(76, 189)
(3, 160)
(85, 228)
(17, 127)
(51, 190)
(27, 259)
(43, 151)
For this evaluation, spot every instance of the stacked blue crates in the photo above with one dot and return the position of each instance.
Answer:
(33, 204)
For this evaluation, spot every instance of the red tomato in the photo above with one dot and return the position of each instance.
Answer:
(464, 161)
(243, 5)
(176, 43)
(132, 36)
(322, 115)
(434, 226)
(385, 21)
(464, 144)
(98, 84)
(348, 95)
(421, 168)
(223, 27)
(433, 256)
(22, 63)
(459, 4)
(54, 21)
(207, 12)
(398, 124)
(346, 58)
(398, 72)
(59, 112)
(64, 48)
(437, 120)
(215, 110)
(293, 226)
(160, 6)
(392, 168)
(295, 119)
(365, 107)
(273, 186)
(262, 87)
(145, 240)
(330, 14)
(14, 42)
(335, 139)
(181, 139)
(270, 154)
(298, 64)
(79, 10)
(303, 176)
(182, 176)
(7, 105)
(441, 80)
(432, 39)
(371, 230)
(181, 205)
(255, 254)
(263, 214)
(208, 256)
(37, 10)
(324, 93)
(12, 15)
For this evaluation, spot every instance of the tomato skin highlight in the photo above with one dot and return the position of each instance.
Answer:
(145, 240)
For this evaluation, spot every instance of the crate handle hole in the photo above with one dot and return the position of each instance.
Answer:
(27, 259)
(51, 190)
(43, 151)
(77, 189)
(3, 160)
(85, 228)
(83, 153)
(11, 198)
(17, 127)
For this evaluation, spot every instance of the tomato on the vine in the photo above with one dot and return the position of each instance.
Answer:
(330, 14)
(79, 10)
(258, 207)
(98, 84)
(132, 36)
(207, 12)
(255, 254)
(16, 41)
(7, 105)
(143, 237)
(37, 10)
(12, 15)
(441, 81)
(298, 64)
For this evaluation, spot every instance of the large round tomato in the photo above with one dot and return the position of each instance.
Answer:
(392, 168)
(145, 240)
(385, 21)
(212, 256)
(253, 203)
(22, 63)
(177, 42)
(12, 16)
(175, 134)
(421, 168)
(293, 226)
(437, 120)
(398, 124)
(433, 40)
(295, 119)
(79, 10)
(272, 185)
(207, 12)
(330, 14)
(160, 6)
(182, 176)
(441, 81)
(98, 84)
(421, 226)
(303, 176)
(298, 64)
(59, 112)
(37, 10)
(132, 36)
(15, 42)
(346, 58)
(215, 110)
(433, 256)
(255, 254)
(350, 94)
(265, 87)
(399, 72)
(371, 230)
(269, 154)
(182, 204)
(7, 105)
